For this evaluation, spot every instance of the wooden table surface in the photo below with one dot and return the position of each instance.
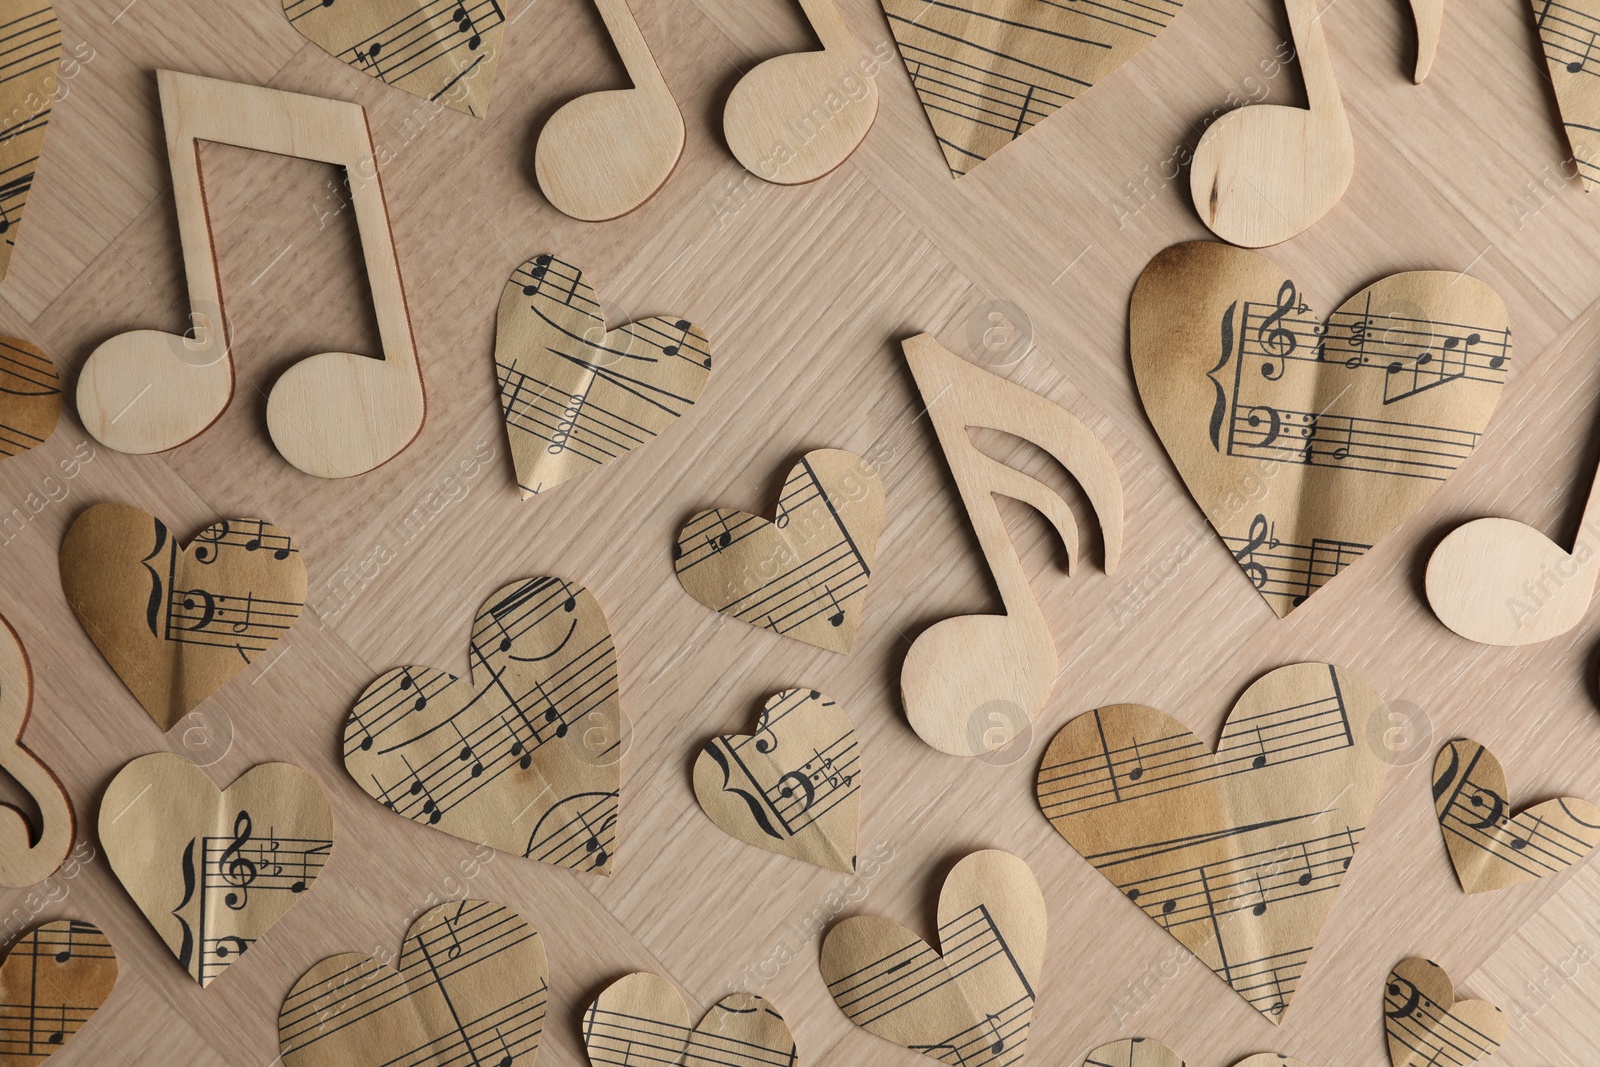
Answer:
(806, 293)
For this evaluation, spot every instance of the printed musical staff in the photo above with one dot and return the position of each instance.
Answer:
(62, 972)
(640, 1020)
(1428, 1027)
(28, 73)
(30, 396)
(1133, 1052)
(1568, 31)
(1286, 571)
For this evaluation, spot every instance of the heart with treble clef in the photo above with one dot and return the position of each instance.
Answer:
(214, 869)
(642, 1018)
(526, 756)
(1306, 441)
(1428, 1027)
(792, 787)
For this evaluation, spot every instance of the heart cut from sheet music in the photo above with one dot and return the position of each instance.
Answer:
(641, 1018)
(575, 395)
(1490, 847)
(973, 1004)
(30, 395)
(214, 869)
(793, 786)
(1144, 1052)
(472, 988)
(28, 81)
(1238, 854)
(1428, 1027)
(804, 574)
(52, 980)
(175, 622)
(441, 50)
(1567, 32)
(1305, 442)
(526, 756)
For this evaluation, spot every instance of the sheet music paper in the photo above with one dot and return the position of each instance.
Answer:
(1568, 31)
(30, 396)
(52, 980)
(28, 72)
(1428, 1027)
(640, 1020)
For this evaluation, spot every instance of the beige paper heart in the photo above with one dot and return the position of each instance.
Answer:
(641, 1019)
(214, 869)
(29, 81)
(972, 1001)
(1428, 1027)
(52, 980)
(525, 757)
(441, 50)
(1305, 442)
(1490, 847)
(804, 574)
(175, 622)
(576, 396)
(1238, 854)
(1567, 31)
(30, 396)
(793, 786)
(472, 989)
(1142, 1052)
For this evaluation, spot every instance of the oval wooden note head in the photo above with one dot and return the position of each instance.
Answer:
(1428, 1027)
(147, 391)
(30, 395)
(603, 155)
(1501, 582)
(52, 980)
(795, 118)
(337, 414)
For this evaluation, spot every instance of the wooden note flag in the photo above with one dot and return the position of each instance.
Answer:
(52, 980)
(30, 394)
(640, 1020)
(28, 75)
(1567, 29)
(1428, 1027)
(27, 854)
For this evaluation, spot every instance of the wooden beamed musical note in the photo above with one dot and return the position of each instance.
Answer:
(178, 622)
(1428, 1027)
(214, 869)
(27, 856)
(970, 683)
(1429, 16)
(472, 987)
(1490, 846)
(604, 154)
(641, 1020)
(52, 980)
(1266, 172)
(971, 1001)
(525, 756)
(805, 573)
(1567, 31)
(29, 75)
(1144, 1052)
(986, 74)
(793, 786)
(576, 395)
(30, 394)
(1237, 856)
(1305, 441)
(333, 415)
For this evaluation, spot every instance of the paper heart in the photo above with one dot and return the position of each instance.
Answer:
(524, 757)
(30, 394)
(52, 980)
(1306, 442)
(1238, 855)
(576, 396)
(472, 988)
(987, 73)
(28, 83)
(1563, 28)
(440, 50)
(792, 786)
(1141, 1052)
(641, 1018)
(803, 575)
(176, 623)
(214, 869)
(973, 1004)
(1429, 1027)
(1490, 847)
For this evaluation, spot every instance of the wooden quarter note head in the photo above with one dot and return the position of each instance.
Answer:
(53, 979)
(644, 1011)
(27, 857)
(1490, 580)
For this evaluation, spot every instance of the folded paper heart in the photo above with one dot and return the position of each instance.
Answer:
(1428, 1027)
(27, 855)
(641, 1018)
(804, 574)
(30, 395)
(1238, 854)
(472, 988)
(176, 623)
(214, 869)
(27, 85)
(52, 980)
(1490, 847)
(576, 396)
(792, 787)
(1142, 1052)
(972, 1001)
(1566, 30)
(524, 757)
(1305, 442)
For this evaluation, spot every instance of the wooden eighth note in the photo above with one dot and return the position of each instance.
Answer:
(27, 857)
(963, 672)
(1429, 15)
(332, 415)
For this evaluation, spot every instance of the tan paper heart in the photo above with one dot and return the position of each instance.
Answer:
(1567, 31)
(52, 980)
(973, 1003)
(793, 786)
(988, 72)
(641, 1019)
(1304, 441)
(1239, 855)
(1429, 1027)
(29, 81)
(525, 757)
(472, 989)
(1142, 1052)
(175, 622)
(576, 396)
(30, 396)
(1490, 847)
(214, 869)
(804, 574)
(441, 50)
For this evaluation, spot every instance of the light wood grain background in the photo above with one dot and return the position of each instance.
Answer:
(805, 293)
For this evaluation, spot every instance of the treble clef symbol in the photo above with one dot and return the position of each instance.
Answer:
(237, 869)
(1279, 340)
